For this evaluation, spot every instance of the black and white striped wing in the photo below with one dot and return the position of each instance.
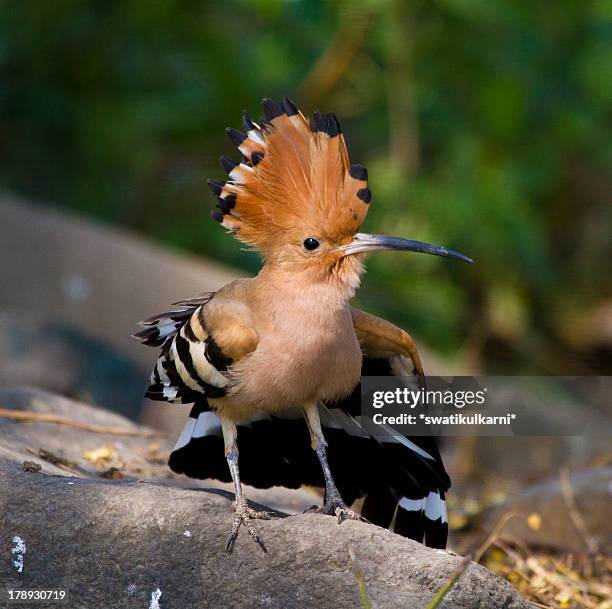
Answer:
(190, 367)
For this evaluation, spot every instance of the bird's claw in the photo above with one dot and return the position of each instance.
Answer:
(336, 507)
(345, 513)
(243, 515)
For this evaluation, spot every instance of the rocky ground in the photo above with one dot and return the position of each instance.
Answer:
(99, 515)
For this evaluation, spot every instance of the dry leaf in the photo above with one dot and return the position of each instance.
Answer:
(534, 521)
(101, 455)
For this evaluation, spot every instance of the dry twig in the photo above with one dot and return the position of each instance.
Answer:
(497, 529)
(552, 581)
(570, 503)
(44, 417)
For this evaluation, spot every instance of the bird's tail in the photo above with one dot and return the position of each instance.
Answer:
(423, 519)
(402, 480)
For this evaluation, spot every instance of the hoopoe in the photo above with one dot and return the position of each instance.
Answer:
(259, 355)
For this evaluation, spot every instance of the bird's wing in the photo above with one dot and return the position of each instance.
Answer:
(381, 339)
(195, 352)
(199, 341)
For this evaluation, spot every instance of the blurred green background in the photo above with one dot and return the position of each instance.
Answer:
(485, 126)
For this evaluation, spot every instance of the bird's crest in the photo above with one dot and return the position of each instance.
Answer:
(295, 179)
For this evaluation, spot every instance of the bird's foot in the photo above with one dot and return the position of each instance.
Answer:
(243, 515)
(336, 507)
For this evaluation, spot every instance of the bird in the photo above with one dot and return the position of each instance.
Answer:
(272, 364)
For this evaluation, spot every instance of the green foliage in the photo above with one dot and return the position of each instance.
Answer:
(485, 126)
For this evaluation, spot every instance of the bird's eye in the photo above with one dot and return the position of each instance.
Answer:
(311, 244)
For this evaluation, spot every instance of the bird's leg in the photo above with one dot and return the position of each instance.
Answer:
(243, 514)
(333, 503)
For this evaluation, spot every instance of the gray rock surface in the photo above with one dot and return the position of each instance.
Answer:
(56, 356)
(74, 284)
(96, 278)
(147, 544)
(592, 496)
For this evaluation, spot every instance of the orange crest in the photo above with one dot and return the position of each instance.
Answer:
(295, 180)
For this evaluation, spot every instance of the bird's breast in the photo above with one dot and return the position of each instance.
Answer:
(295, 362)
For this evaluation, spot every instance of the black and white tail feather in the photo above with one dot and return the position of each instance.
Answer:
(402, 479)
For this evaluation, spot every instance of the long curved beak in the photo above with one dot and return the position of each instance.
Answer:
(362, 242)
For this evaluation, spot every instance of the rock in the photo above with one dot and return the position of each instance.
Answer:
(95, 278)
(53, 355)
(144, 458)
(541, 517)
(134, 544)
(88, 284)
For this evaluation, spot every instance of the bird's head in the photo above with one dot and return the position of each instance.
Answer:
(296, 198)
